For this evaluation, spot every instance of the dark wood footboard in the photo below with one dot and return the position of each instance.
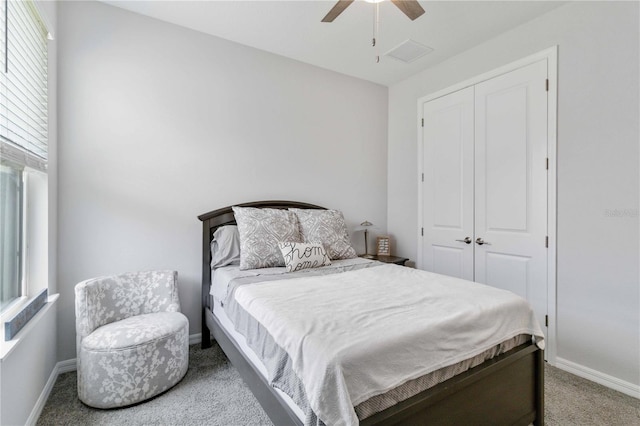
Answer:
(506, 390)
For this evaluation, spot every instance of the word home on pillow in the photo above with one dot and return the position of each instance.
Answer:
(298, 256)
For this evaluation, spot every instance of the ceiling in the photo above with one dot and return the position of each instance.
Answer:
(293, 29)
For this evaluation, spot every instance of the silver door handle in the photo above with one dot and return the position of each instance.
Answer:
(466, 240)
(480, 241)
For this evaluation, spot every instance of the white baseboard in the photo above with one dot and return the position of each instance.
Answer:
(599, 377)
(194, 339)
(59, 368)
(65, 367)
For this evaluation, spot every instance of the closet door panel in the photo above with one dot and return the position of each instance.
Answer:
(508, 272)
(448, 184)
(449, 260)
(505, 160)
(511, 183)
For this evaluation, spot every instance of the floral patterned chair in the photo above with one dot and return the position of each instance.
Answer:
(132, 341)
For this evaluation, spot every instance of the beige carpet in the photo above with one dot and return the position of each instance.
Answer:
(212, 393)
(572, 400)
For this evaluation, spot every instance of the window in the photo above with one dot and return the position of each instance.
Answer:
(23, 136)
(10, 227)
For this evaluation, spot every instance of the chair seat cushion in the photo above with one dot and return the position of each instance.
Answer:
(131, 360)
(133, 331)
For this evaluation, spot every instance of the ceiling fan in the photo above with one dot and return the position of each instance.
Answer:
(411, 8)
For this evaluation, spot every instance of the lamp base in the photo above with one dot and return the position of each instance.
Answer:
(367, 256)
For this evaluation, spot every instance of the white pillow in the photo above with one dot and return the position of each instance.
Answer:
(298, 256)
(260, 230)
(225, 246)
(328, 228)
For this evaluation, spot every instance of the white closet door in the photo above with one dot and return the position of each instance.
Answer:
(511, 183)
(448, 184)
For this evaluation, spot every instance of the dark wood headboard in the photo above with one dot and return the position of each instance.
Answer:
(212, 221)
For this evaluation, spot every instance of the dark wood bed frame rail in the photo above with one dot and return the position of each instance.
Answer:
(506, 390)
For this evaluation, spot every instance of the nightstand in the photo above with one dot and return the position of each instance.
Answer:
(387, 259)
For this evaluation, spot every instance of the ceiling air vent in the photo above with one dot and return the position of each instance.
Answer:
(408, 51)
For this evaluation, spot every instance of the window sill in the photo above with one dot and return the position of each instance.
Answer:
(7, 347)
(13, 308)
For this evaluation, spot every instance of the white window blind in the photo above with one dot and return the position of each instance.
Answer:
(23, 84)
(23, 144)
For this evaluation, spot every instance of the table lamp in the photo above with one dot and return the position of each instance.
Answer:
(364, 226)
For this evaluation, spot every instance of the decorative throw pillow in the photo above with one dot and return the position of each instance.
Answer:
(260, 230)
(327, 227)
(225, 246)
(298, 256)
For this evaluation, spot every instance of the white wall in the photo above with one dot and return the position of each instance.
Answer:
(158, 124)
(26, 371)
(598, 298)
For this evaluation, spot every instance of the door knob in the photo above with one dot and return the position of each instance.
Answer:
(480, 241)
(466, 240)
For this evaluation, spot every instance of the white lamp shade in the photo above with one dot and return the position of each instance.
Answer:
(365, 226)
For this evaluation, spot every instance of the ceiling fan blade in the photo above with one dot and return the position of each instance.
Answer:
(411, 8)
(336, 10)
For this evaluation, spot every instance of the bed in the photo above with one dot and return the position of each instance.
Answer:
(505, 389)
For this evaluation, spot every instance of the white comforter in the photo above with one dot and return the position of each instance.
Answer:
(358, 334)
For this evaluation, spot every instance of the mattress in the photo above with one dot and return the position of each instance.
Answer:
(220, 284)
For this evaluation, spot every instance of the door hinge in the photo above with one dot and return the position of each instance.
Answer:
(423, 177)
(546, 320)
(546, 242)
(546, 85)
(547, 163)
(423, 122)
(422, 232)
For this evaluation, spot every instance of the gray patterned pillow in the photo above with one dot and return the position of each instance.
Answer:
(260, 230)
(327, 227)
